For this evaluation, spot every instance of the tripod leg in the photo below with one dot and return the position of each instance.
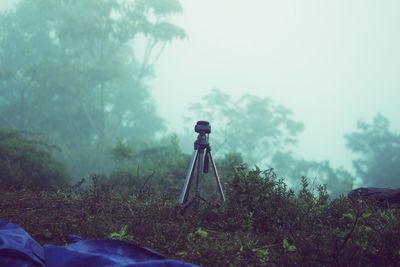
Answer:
(188, 181)
(200, 167)
(221, 192)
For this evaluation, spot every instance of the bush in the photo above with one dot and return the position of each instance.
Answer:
(262, 223)
(160, 166)
(26, 163)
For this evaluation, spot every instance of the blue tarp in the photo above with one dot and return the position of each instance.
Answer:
(19, 249)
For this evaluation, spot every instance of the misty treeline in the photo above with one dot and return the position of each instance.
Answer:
(74, 88)
(72, 75)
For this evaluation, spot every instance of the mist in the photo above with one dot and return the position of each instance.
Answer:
(333, 63)
(329, 65)
(215, 133)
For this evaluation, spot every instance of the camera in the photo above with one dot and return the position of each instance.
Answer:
(202, 127)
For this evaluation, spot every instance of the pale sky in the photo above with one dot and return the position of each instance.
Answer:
(4, 4)
(331, 62)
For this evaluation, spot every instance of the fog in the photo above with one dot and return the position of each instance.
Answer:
(88, 83)
(331, 62)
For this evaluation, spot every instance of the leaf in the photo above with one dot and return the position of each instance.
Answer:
(262, 253)
(202, 233)
(348, 216)
(288, 247)
(121, 235)
(366, 215)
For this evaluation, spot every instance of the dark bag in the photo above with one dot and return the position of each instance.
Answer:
(384, 197)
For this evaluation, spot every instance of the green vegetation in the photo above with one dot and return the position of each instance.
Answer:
(264, 133)
(160, 166)
(256, 127)
(82, 81)
(378, 150)
(69, 70)
(76, 74)
(28, 163)
(263, 223)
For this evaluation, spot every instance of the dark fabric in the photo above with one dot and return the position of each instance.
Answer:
(18, 249)
(385, 197)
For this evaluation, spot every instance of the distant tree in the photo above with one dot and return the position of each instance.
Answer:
(338, 180)
(378, 150)
(253, 126)
(73, 70)
(264, 133)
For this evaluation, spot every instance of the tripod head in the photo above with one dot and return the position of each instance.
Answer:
(203, 128)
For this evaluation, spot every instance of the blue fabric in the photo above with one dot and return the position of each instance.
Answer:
(18, 249)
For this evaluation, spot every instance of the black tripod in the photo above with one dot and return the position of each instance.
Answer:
(200, 160)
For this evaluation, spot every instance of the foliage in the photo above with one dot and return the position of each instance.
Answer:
(262, 223)
(121, 234)
(287, 247)
(163, 166)
(263, 131)
(255, 127)
(378, 149)
(338, 180)
(72, 70)
(122, 152)
(28, 163)
(227, 163)
(160, 165)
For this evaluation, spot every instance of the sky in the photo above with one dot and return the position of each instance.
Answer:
(5, 4)
(331, 62)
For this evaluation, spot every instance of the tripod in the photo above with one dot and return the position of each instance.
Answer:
(200, 161)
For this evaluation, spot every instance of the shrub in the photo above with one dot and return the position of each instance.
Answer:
(262, 223)
(160, 166)
(28, 163)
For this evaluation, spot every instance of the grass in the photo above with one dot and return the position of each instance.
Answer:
(262, 223)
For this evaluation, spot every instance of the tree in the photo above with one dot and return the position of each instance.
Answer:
(378, 150)
(71, 70)
(338, 181)
(264, 133)
(255, 127)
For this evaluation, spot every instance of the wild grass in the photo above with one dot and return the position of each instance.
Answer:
(262, 223)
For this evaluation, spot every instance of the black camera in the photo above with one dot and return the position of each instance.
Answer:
(202, 127)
